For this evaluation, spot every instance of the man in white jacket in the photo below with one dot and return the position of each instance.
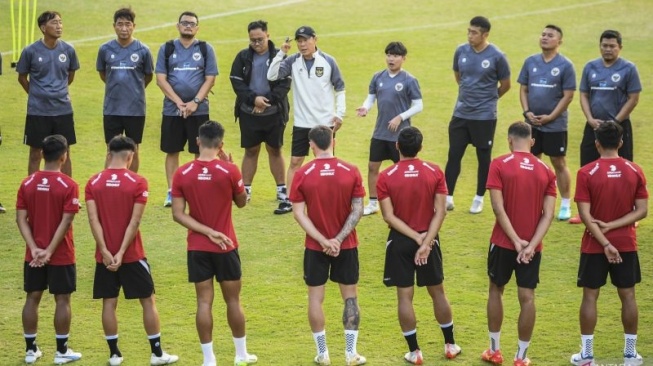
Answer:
(318, 96)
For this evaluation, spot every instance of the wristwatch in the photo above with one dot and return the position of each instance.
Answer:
(197, 100)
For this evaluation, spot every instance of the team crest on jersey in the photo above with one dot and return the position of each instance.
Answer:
(555, 71)
(613, 172)
(197, 56)
(526, 164)
(43, 186)
(134, 57)
(326, 170)
(399, 87)
(616, 78)
(411, 172)
(62, 57)
(204, 175)
(319, 71)
(485, 64)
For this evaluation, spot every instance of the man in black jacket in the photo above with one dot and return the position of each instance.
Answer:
(262, 107)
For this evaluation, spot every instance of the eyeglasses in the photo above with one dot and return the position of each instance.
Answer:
(257, 41)
(188, 24)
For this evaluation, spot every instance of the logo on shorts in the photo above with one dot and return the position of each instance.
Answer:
(197, 56)
(616, 77)
(485, 64)
(319, 71)
(62, 57)
(555, 71)
(134, 57)
(327, 171)
(399, 87)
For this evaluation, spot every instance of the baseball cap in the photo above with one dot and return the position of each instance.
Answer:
(305, 32)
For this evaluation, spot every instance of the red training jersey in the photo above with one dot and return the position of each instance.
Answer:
(328, 185)
(46, 196)
(411, 185)
(611, 186)
(209, 187)
(524, 181)
(115, 192)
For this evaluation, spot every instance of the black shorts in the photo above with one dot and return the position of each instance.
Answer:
(135, 279)
(549, 143)
(588, 152)
(257, 129)
(177, 131)
(479, 133)
(300, 145)
(594, 268)
(61, 280)
(344, 267)
(400, 268)
(38, 128)
(381, 150)
(131, 126)
(205, 265)
(501, 262)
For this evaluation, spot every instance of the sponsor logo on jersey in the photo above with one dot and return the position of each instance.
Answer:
(204, 174)
(44, 185)
(411, 172)
(526, 164)
(113, 181)
(613, 172)
(327, 170)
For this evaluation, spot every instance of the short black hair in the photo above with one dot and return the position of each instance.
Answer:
(47, 16)
(520, 129)
(53, 147)
(211, 134)
(553, 26)
(321, 136)
(258, 24)
(409, 141)
(189, 14)
(611, 34)
(121, 143)
(609, 135)
(124, 13)
(396, 48)
(481, 22)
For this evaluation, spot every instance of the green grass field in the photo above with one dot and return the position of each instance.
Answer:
(274, 295)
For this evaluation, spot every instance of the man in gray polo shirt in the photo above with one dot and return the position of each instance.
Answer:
(548, 82)
(185, 77)
(483, 76)
(45, 69)
(125, 65)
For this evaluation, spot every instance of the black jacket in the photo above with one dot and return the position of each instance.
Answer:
(241, 73)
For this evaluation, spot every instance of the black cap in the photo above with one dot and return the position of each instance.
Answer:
(304, 32)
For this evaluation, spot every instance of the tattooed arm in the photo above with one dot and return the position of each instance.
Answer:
(352, 219)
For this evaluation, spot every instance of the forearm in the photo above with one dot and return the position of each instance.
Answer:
(26, 232)
(585, 106)
(435, 225)
(399, 225)
(98, 235)
(562, 106)
(59, 234)
(209, 81)
(190, 223)
(630, 105)
(352, 220)
(167, 90)
(523, 97)
(369, 101)
(309, 228)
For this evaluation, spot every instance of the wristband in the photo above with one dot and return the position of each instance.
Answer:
(606, 245)
(526, 112)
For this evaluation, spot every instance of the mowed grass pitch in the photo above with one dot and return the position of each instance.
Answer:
(274, 295)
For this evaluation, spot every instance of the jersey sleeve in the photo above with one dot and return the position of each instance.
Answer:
(71, 203)
(20, 198)
(296, 194)
(382, 187)
(25, 61)
(456, 56)
(100, 65)
(522, 79)
(441, 182)
(359, 189)
(161, 61)
(211, 61)
(633, 85)
(551, 188)
(177, 187)
(414, 91)
(494, 176)
(582, 192)
(88, 189)
(236, 180)
(372, 87)
(141, 193)
(74, 61)
(584, 80)
(336, 77)
(642, 191)
(569, 77)
(503, 68)
(148, 63)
